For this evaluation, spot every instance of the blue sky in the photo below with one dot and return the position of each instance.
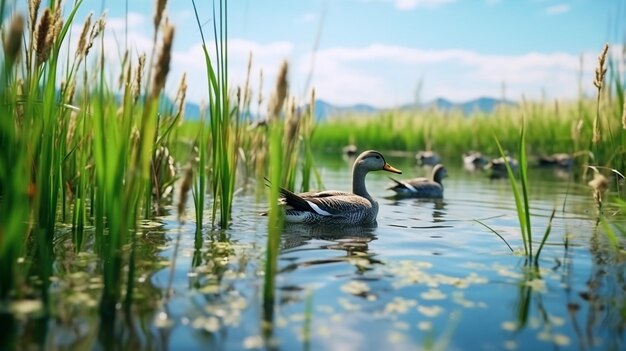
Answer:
(378, 51)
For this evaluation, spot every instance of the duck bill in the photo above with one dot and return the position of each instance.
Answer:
(389, 168)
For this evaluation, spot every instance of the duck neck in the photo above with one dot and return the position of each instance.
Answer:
(358, 183)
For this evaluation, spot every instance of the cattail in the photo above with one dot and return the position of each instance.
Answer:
(163, 62)
(280, 94)
(13, 41)
(44, 37)
(82, 41)
(33, 9)
(139, 77)
(158, 14)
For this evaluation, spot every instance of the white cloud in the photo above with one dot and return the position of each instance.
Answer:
(412, 4)
(558, 9)
(378, 74)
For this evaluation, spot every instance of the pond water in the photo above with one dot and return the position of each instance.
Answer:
(428, 276)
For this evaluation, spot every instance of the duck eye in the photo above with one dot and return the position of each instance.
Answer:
(377, 157)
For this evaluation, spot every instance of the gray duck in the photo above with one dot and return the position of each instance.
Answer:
(339, 207)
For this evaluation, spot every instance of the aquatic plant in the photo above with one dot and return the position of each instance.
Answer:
(225, 133)
(522, 202)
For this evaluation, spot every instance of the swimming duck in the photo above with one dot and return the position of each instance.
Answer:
(339, 207)
(428, 188)
(561, 160)
(473, 160)
(350, 150)
(427, 158)
(497, 167)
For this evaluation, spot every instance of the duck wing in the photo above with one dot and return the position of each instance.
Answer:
(409, 185)
(325, 203)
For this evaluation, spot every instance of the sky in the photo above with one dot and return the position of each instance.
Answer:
(384, 53)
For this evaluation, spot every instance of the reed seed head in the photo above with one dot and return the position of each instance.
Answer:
(82, 41)
(96, 29)
(158, 13)
(13, 41)
(44, 36)
(33, 9)
(601, 68)
(163, 62)
(280, 93)
(181, 95)
(139, 77)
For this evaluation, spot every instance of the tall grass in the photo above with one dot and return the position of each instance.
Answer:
(74, 151)
(522, 199)
(224, 126)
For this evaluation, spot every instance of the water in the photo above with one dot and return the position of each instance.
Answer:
(427, 276)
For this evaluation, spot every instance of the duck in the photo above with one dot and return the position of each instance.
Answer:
(497, 166)
(427, 158)
(473, 160)
(560, 160)
(339, 207)
(349, 150)
(427, 188)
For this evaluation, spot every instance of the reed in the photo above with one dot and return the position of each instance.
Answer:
(225, 132)
(522, 199)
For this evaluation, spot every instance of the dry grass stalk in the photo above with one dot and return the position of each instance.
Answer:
(601, 68)
(124, 77)
(292, 123)
(82, 41)
(139, 78)
(260, 96)
(13, 41)
(97, 28)
(44, 37)
(280, 93)
(158, 13)
(163, 62)
(181, 95)
(247, 92)
(599, 84)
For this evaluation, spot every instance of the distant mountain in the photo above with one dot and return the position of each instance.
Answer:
(482, 104)
(325, 110)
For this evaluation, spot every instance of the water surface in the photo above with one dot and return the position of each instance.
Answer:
(427, 276)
